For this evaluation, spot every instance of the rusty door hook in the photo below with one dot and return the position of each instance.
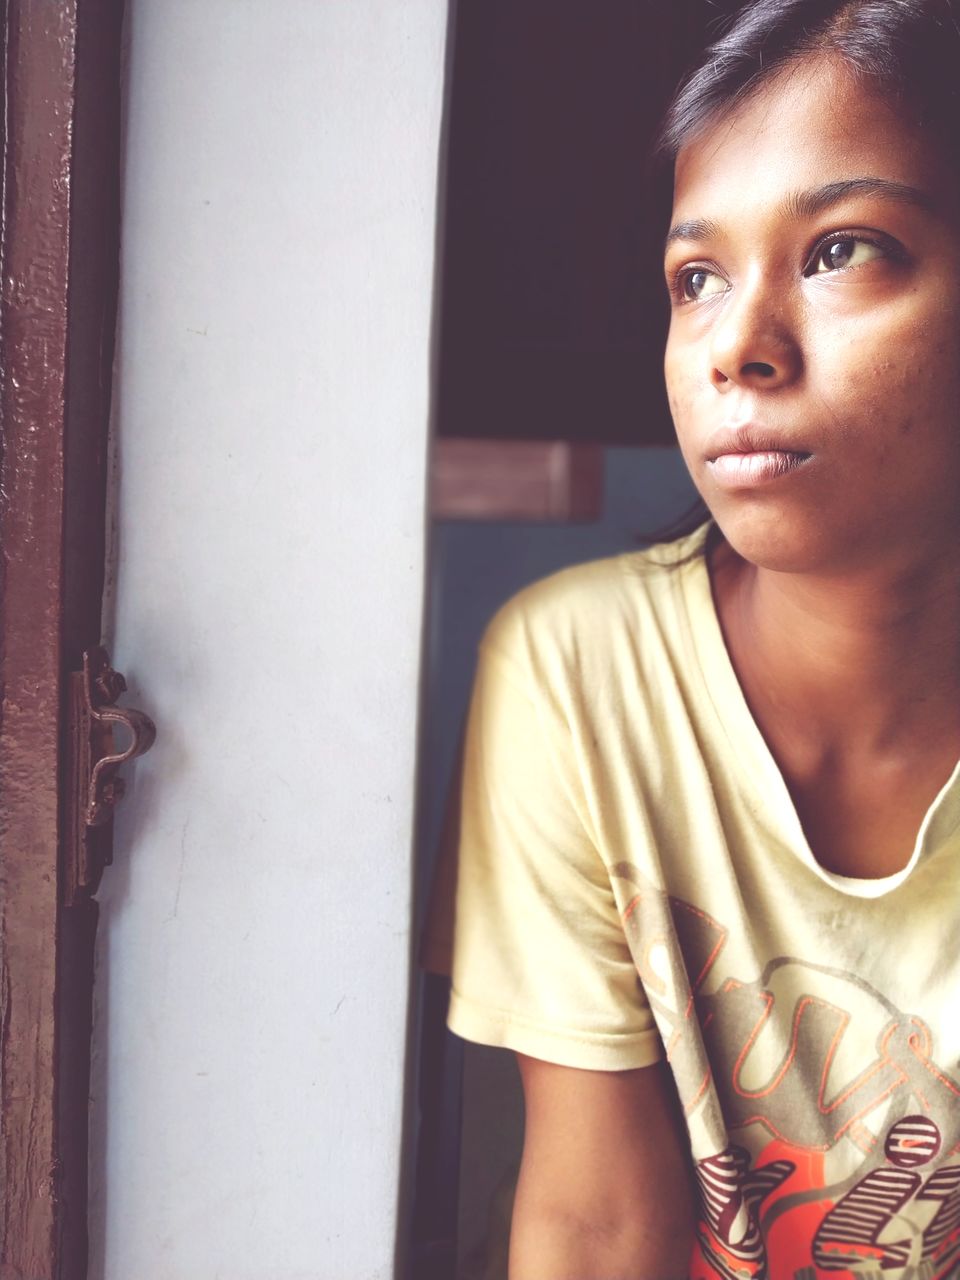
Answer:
(93, 761)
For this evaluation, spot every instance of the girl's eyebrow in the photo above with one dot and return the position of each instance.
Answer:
(692, 229)
(806, 204)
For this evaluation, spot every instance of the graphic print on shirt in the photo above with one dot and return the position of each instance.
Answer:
(845, 1160)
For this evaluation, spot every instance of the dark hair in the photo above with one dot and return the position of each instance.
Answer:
(908, 49)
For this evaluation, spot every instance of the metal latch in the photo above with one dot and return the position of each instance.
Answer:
(92, 763)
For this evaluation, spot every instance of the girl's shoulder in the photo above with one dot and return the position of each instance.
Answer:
(583, 610)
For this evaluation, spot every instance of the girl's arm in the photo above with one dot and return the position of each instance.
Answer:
(606, 1187)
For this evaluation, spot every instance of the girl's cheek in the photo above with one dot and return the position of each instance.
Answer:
(681, 382)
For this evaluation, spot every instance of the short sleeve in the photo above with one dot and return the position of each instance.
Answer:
(540, 961)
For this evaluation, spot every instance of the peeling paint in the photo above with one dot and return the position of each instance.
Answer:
(44, 951)
(39, 59)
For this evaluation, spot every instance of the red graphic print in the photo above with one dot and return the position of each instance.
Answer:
(835, 1134)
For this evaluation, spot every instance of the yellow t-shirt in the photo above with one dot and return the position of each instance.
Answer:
(633, 881)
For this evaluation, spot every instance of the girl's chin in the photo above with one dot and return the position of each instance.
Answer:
(769, 540)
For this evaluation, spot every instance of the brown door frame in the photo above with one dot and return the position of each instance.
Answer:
(58, 274)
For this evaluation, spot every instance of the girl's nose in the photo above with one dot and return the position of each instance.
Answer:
(753, 346)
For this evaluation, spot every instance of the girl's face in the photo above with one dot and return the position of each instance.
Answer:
(813, 360)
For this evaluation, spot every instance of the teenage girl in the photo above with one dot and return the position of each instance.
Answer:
(709, 866)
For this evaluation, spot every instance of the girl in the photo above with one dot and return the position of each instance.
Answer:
(709, 866)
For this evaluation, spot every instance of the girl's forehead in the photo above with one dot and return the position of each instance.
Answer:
(814, 122)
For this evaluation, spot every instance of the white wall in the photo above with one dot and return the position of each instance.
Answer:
(271, 419)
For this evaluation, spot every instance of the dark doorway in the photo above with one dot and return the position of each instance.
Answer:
(553, 303)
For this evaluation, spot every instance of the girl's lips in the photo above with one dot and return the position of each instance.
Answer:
(744, 470)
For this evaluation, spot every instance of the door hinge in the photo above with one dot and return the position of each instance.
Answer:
(93, 758)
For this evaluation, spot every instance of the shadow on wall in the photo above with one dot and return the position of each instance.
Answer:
(476, 566)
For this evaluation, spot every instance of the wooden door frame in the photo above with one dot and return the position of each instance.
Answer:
(58, 282)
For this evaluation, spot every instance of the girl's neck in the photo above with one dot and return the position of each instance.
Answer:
(868, 663)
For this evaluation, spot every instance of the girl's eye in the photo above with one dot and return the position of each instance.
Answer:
(697, 283)
(843, 253)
